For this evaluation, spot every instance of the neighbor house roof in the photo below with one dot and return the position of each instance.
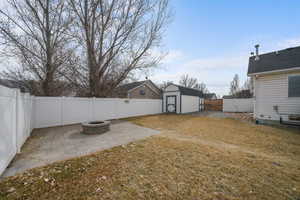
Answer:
(189, 91)
(286, 59)
(129, 86)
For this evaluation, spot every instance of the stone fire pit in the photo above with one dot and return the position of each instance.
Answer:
(95, 127)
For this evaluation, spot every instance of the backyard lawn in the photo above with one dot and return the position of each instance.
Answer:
(194, 158)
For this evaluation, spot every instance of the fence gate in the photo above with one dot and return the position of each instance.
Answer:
(171, 104)
(213, 104)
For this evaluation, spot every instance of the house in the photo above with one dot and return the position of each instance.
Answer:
(138, 90)
(179, 99)
(210, 96)
(276, 78)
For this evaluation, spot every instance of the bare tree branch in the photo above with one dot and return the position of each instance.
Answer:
(35, 32)
(117, 36)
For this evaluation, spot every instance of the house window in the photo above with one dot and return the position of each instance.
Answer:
(294, 86)
(142, 92)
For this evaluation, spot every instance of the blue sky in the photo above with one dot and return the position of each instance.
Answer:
(212, 39)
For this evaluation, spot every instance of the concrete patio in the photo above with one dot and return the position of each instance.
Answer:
(48, 145)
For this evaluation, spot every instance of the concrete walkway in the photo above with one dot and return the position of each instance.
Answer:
(48, 145)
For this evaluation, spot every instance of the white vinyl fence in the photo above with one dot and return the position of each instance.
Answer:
(238, 105)
(15, 123)
(57, 111)
(20, 113)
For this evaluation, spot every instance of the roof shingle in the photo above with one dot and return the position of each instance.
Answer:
(277, 60)
(189, 91)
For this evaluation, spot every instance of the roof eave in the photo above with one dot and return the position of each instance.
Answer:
(274, 71)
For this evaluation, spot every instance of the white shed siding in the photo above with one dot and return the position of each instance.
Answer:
(189, 104)
(270, 91)
(171, 88)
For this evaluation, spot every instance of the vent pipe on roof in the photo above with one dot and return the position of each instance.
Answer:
(257, 52)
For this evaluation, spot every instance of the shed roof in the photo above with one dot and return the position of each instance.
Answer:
(189, 91)
(286, 59)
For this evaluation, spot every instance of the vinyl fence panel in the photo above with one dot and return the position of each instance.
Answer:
(15, 123)
(55, 111)
(20, 113)
(47, 111)
(76, 110)
(238, 105)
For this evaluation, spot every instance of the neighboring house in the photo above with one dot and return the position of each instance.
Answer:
(276, 78)
(138, 90)
(210, 96)
(179, 99)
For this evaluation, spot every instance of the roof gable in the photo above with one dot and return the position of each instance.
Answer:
(171, 87)
(286, 59)
(187, 91)
(130, 86)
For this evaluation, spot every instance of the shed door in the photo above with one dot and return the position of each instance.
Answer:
(201, 104)
(171, 104)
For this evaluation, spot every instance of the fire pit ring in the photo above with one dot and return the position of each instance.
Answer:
(95, 127)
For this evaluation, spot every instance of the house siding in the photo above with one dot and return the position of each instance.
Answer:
(272, 90)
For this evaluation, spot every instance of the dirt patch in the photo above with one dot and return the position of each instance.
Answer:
(194, 158)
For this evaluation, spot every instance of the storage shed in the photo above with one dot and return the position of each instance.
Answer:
(179, 99)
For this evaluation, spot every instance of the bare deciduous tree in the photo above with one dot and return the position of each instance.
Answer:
(117, 37)
(248, 84)
(202, 87)
(187, 81)
(164, 84)
(191, 82)
(35, 32)
(235, 85)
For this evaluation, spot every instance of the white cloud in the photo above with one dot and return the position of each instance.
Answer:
(215, 72)
(217, 63)
(173, 56)
(289, 43)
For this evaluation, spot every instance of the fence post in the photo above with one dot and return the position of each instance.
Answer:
(17, 96)
(93, 108)
(61, 111)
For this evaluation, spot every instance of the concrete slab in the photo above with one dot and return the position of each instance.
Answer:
(48, 145)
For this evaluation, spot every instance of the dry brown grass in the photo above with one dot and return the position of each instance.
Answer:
(266, 139)
(194, 158)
